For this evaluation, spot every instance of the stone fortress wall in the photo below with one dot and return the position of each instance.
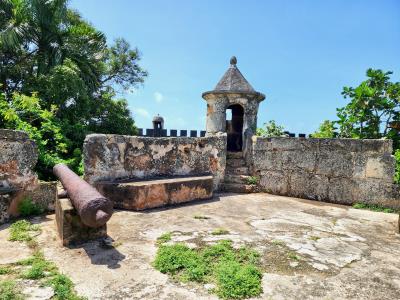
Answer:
(335, 170)
(113, 157)
(18, 157)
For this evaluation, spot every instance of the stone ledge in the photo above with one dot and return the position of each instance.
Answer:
(13, 135)
(140, 195)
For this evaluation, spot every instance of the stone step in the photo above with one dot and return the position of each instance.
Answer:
(234, 155)
(236, 178)
(237, 171)
(235, 162)
(238, 188)
(140, 195)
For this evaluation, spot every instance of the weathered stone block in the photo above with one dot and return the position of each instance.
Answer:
(341, 190)
(308, 185)
(304, 160)
(373, 191)
(70, 228)
(45, 195)
(142, 195)
(347, 145)
(335, 163)
(267, 160)
(382, 167)
(274, 182)
(18, 157)
(5, 201)
(377, 146)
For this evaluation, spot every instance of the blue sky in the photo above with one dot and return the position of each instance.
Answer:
(299, 53)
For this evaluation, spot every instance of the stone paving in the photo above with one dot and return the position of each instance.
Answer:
(310, 250)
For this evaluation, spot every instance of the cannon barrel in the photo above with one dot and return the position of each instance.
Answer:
(93, 208)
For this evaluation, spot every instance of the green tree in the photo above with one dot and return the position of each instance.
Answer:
(271, 129)
(49, 52)
(25, 113)
(326, 130)
(374, 106)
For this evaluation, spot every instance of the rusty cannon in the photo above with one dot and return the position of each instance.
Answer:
(93, 208)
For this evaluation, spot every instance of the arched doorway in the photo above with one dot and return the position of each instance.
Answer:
(234, 127)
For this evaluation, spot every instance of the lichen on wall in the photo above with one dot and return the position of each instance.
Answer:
(113, 157)
(336, 170)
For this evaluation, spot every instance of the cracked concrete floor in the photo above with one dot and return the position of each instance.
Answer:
(310, 250)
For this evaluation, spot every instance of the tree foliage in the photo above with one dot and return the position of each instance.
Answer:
(271, 129)
(373, 110)
(373, 106)
(397, 158)
(326, 130)
(62, 66)
(25, 113)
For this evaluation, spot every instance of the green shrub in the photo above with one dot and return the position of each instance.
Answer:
(253, 180)
(21, 231)
(178, 257)
(271, 129)
(27, 208)
(236, 281)
(5, 270)
(63, 288)
(9, 290)
(234, 271)
(397, 174)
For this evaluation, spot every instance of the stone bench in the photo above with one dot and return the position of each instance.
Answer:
(140, 195)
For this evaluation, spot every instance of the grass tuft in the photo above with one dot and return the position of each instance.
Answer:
(220, 231)
(39, 267)
(63, 288)
(278, 243)
(234, 271)
(293, 255)
(375, 207)
(28, 208)
(165, 237)
(21, 231)
(5, 270)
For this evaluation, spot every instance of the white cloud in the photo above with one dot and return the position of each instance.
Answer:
(141, 112)
(158, 97)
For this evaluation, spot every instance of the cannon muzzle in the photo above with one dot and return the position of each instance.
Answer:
(93, 208)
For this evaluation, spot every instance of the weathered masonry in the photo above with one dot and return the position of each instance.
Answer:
(118, 157)
(141, 172)
(18, 181)
(336, 170)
